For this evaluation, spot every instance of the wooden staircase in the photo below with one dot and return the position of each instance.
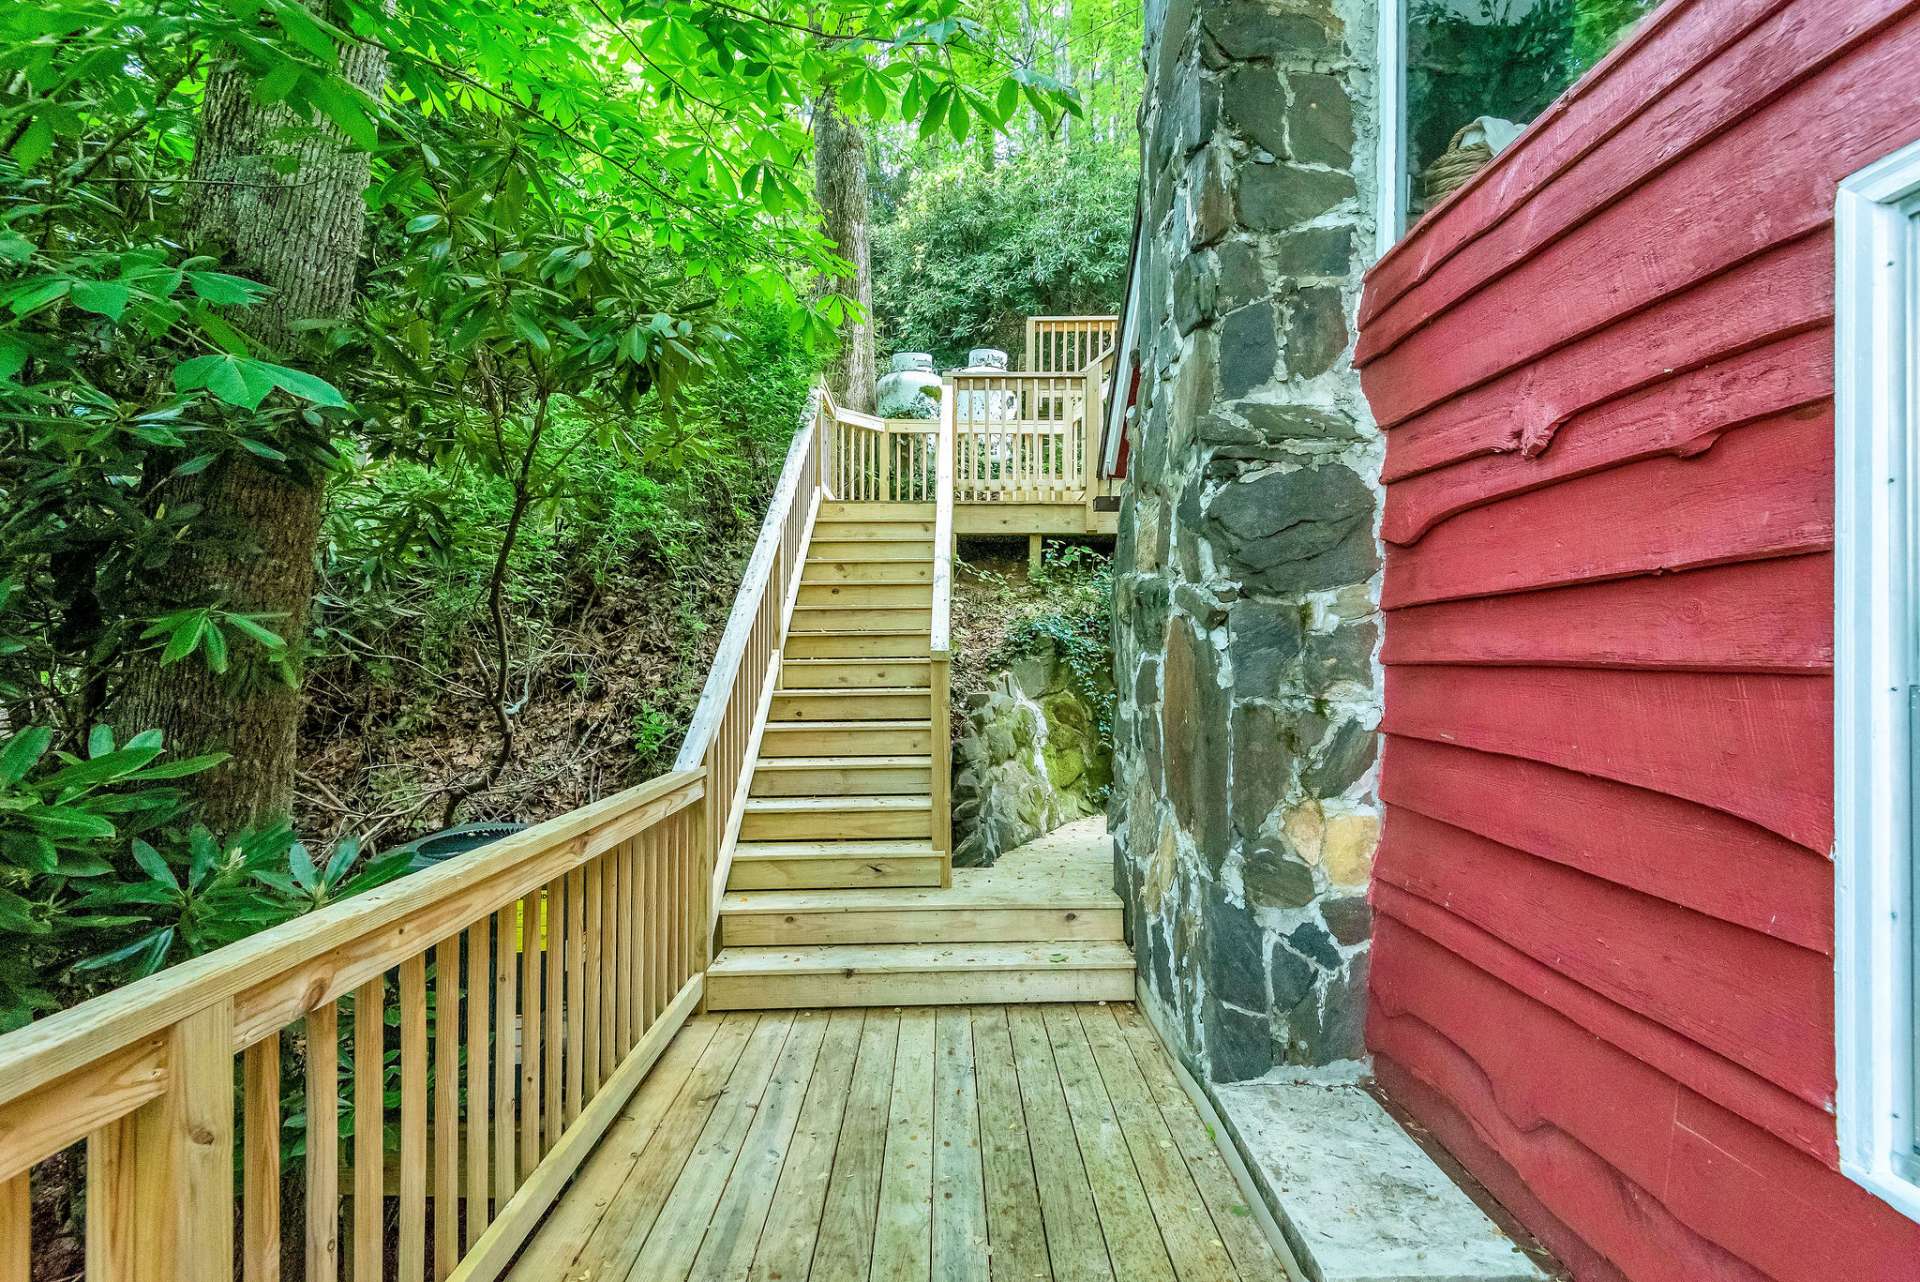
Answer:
(842, 792)
(841, 890)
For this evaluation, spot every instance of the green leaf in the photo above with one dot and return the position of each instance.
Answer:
(422, 223)
(34, 144)
(153, 865)
(181, 768)
(15, 248)
(250, 624)
(227, 377)
(305, 386)
(70, 824)
(100, 741)
(100, 298)
(183, 640)
(226, 291)
(22, 751)
(13, 356)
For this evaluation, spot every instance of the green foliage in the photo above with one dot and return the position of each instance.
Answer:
(971, 253)
(102, 879)
(1076, 624)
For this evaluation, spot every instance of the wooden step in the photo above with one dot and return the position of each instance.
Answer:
(796, 918)
(856, 571)
(853, 618)
(845, 510)
(902, 775)
(854, 644)
(918, 974)
(847, 818)
(886, 703)
(916, 532)
(829, 865)
(845, 738)
(885, 595)
(904, 551)
(858, 674)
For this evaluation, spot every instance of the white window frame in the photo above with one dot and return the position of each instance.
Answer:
(1876, 639)
(1390, 147)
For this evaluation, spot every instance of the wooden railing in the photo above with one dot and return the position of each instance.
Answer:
(879, 460)
(505, 1005)
(1019, 438)
(1063, 344)
(519, 993)
(724, 735)
(940, 644)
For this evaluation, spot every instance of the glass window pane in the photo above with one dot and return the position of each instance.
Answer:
(1477, 70)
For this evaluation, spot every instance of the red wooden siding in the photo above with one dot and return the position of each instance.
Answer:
(1602, 963)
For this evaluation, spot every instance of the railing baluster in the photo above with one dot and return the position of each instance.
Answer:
(505, 939)
(576, 993)
(479, 1091)
(446, 1106)
(260, 1161)
(16, 1230)
(413, 1119)
(113, 1231)
(369, 1085)
(531, 943)
(323, 1143)
(556, 972)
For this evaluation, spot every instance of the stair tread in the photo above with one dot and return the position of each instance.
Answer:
(921, 724)
(913, 899)
(848, 692)
(803, 850)
(801, 805)
(877, 660)
(903, 958)
(907, 762)
(851, 632)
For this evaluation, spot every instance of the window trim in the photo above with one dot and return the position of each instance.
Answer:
(1876, 532)
(1390, 148)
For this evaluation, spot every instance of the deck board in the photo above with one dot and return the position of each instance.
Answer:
(963, 1144)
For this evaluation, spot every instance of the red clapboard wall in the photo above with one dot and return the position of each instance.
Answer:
(1602, 965)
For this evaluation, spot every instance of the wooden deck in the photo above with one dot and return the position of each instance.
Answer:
(988, 1143)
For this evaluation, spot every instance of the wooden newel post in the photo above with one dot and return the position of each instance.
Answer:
(161, 1205)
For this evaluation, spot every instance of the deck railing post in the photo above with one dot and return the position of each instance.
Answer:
(171, 1216)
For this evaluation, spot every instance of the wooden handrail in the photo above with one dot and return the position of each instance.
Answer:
(596, 916)
(940, 637)
(724, 735)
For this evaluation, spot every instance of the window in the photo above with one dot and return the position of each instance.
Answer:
(1461, 77)
(1877, 676)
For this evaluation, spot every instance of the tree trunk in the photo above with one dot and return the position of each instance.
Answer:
(254, 545)
(840, 186)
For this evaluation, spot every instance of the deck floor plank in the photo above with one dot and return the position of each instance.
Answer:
(609, 1252)
(576, 1218)
(960, 1241)
(984, 1144)
(1126, 1217)
(739, 1218)
(1075, 1245)
(675, 1238)
(793, 1221)
(1016, 1238)
(1187, 1221)
(1220, 1193)
(845, 1249)
(903, 1224)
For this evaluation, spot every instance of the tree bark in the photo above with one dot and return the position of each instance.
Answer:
(840, 187)
(300, 232)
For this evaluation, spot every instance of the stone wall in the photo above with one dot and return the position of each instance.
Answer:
(1246, 567)
(1030, 759)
